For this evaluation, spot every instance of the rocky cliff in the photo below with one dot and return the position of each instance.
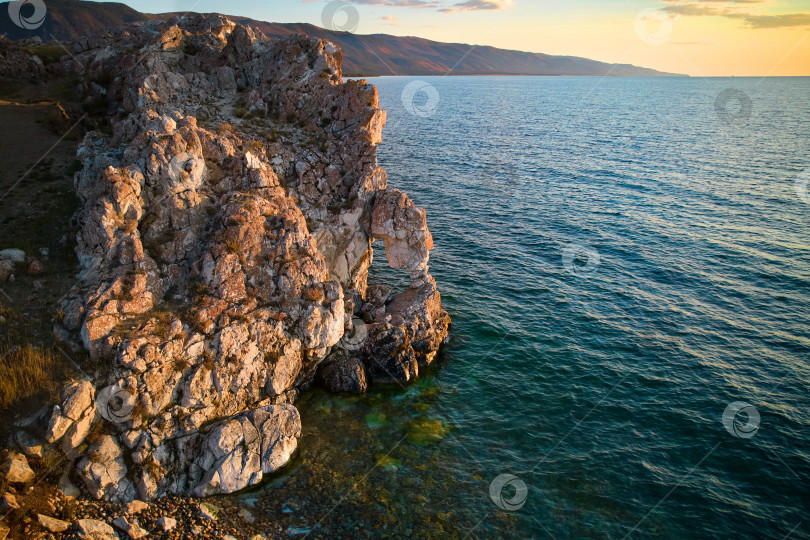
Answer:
(227, 223)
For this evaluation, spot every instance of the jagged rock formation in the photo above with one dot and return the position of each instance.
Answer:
(227, 223)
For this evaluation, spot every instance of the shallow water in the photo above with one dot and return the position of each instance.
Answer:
(622, 259)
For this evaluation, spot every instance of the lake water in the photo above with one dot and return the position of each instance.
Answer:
(627, 265)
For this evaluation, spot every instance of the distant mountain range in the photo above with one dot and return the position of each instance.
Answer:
(375, 54)
(69, 19)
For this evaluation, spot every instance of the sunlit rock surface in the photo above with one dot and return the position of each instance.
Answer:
(226, 227)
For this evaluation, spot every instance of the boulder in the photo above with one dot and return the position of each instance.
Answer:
(35, 267)
(342, 373)
(31, 446)
(16, 469)
(6, 270)
(13, 255)
(103, 470)
(414, 329)
(52, 524)
(135, 507)
(95, 530)
(166, 524)
(403, 228)
(76, 399)
(8, 502)
(133, 530)
(73, 416)
(239, 451)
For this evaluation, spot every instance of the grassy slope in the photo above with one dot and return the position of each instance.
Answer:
(37, 162)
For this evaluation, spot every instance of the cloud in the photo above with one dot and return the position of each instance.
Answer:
(467, 5)
(790, 20)
(479, 5)
(731, 9)
(691, 9)
(391, 3)
(390, 19)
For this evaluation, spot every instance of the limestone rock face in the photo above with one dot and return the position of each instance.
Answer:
(227, 223)
(343, 373)
(409, 337)
(240, 450)
(403, 228)
(104, 471)
(74, 415)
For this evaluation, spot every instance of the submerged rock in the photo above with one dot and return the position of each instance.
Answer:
(387, 462)
(376, 420)
(425, 431)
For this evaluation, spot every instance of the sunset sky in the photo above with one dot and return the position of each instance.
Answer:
(712, 38)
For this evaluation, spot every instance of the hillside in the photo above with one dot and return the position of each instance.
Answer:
(67, 20)
(383, 54)
(376, 54)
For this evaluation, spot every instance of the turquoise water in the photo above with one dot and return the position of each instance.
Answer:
(622, 260)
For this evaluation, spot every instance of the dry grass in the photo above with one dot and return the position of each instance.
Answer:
(131, 226)
(208, 360)
(49, 54)
(255, 146)
(181, 364)
(233, 245)
(27, 371)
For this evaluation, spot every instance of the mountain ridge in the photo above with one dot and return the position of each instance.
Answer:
(366, 54)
